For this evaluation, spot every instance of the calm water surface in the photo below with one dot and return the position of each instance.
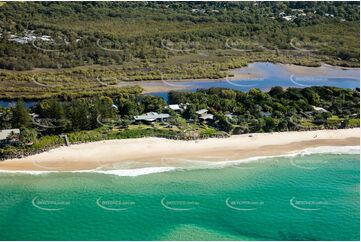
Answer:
(268, 75)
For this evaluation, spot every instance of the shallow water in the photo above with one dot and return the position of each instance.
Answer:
(308, 197)
(270, 75)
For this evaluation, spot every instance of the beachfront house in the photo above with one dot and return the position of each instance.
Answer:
(177, 107)
(174, 107)
(9, 136)
(151, 117)
(204, 115)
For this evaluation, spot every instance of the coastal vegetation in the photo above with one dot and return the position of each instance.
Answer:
(102, 117)
(155, 40)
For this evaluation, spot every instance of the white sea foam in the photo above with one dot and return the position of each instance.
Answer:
(28, 172)
(121, 172)
(190, 164)
(136, 172)
(335, 150)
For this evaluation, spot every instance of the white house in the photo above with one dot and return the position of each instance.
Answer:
(6, 133)
(289, 17)
(201, 111)
(178, 107)
(175, 107)
(151, 117)
(204, 115)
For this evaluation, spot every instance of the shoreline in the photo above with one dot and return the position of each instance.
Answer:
(154, 86)
(151, 86)
(146, 153)
(243, 73)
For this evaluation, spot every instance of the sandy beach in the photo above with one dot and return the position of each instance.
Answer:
(167, 85)
(323, 70)
(148, 152)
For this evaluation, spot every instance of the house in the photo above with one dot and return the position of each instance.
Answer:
(177, 107)
(204, 115)
(319, 109)
(174, 107)
(289, 17)
(151, 117)
(201, 111)
(45, 38)
(6, 136)
(196, 10)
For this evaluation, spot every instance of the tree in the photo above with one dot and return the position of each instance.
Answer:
(223, 123)
(276, 91)
(28, 136)
(190, 112)
(79, 115)
(128, 107)
(21, 116)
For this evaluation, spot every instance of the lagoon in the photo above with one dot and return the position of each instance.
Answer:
(268, 75)
(263, 75)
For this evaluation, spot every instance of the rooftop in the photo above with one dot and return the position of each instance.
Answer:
(206, 116)
(4, 134)
(151, 116)
(202, 111)
(174, 107)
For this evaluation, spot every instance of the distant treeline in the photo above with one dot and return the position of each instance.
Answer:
(109, 33)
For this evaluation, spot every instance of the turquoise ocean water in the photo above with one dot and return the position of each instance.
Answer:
(310, 197)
